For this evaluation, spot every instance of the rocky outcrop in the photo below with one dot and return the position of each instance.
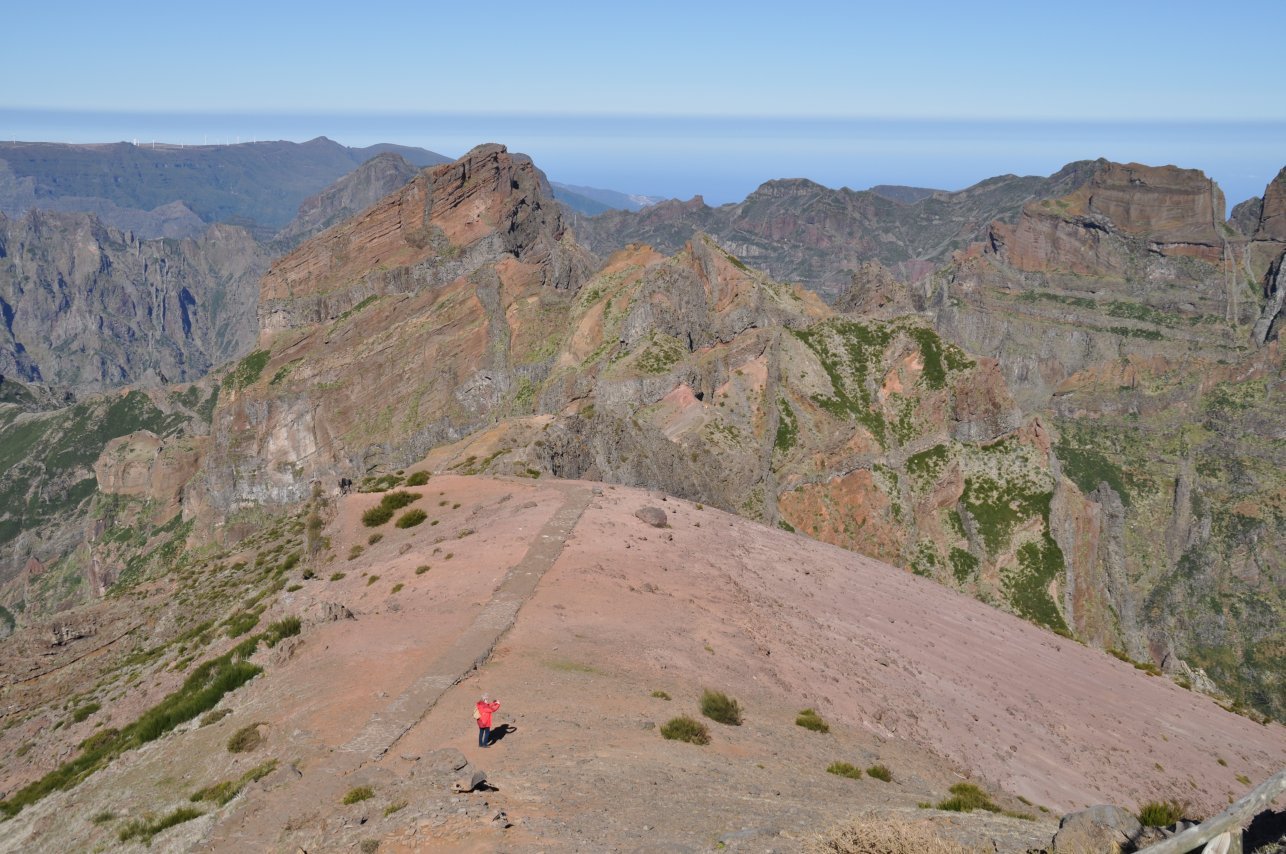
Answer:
(874, 291)
(89, 307)
(1177, 211)
(1272, 216)
(799, 231)
(449, 222)
(355, 192)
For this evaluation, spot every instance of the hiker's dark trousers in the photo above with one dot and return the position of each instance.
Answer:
(484, 736)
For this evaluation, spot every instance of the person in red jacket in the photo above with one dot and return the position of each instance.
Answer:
(482, 714)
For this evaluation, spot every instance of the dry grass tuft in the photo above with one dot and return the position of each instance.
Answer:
(873, 835)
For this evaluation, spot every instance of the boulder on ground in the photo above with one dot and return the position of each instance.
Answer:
(1101, 828)
(654, 516)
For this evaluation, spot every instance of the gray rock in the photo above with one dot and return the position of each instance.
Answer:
(1101, 828)
(654, 516)
(471, 783)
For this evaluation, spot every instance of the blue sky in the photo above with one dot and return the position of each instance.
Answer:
(1128, 60)
(650, 97)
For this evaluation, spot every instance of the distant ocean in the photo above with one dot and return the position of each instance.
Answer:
(724, 159)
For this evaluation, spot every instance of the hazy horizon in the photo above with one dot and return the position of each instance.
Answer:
(722, 158)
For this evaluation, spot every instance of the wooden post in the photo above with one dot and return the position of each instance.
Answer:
(1230, 820)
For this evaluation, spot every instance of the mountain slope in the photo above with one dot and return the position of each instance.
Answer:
(909, 675)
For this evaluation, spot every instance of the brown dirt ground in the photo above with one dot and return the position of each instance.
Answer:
(935, 685)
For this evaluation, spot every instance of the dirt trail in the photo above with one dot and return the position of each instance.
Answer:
(472, 648)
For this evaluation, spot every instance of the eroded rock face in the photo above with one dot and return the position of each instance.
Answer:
(91, 307)
(446, 224)
(145, 466)
(1272, 217)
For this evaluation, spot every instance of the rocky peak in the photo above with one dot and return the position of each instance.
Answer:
(1272, 217)
(785, 188)
(449, 221)
(1163, 203)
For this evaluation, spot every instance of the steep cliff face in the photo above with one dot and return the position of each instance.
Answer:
(89, 307)
(1125, 315)
(799, 231)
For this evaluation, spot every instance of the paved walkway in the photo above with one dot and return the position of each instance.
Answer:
(472, 648)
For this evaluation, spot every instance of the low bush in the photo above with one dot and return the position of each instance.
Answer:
(418, 478)
(660, 695)
(421, 569)
(356, 551)
(214, 717)
(880, 772)
(411, 518)
(1161, 813)
(143, 829)
(844, 769)
(374, 538)
(245, 739)
(359, 794)
(398, 500)
(221, 793)
(400, 805)
(85, 711)
(684, 728)
(337, 576)
(377, 515)
(809, 719)
(967, 797)
(719, 707)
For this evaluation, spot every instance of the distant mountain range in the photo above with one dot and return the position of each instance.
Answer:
(176, 191)
(592, 200)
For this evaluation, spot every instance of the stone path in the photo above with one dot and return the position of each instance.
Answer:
(472, 648)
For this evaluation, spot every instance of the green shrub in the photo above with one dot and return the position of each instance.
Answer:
(398, 500)
(221, 793)
(85, 711)
(660, 695)
(103, 817)
(684, 728)
(844, 769)
(145, 830)
(880, 772)
(1161, 813)
(240, 623)
(397, 587)
(371, 579)
(245, 739)
(418, 478)
(359, 794)
(719, 707)
(337, 576)
(968, 797)
(377, 515)
(280, 630)
(374, 538)
(392, 808)
(356, 551)
(421, 569)
(809, 719)
(411, 518)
